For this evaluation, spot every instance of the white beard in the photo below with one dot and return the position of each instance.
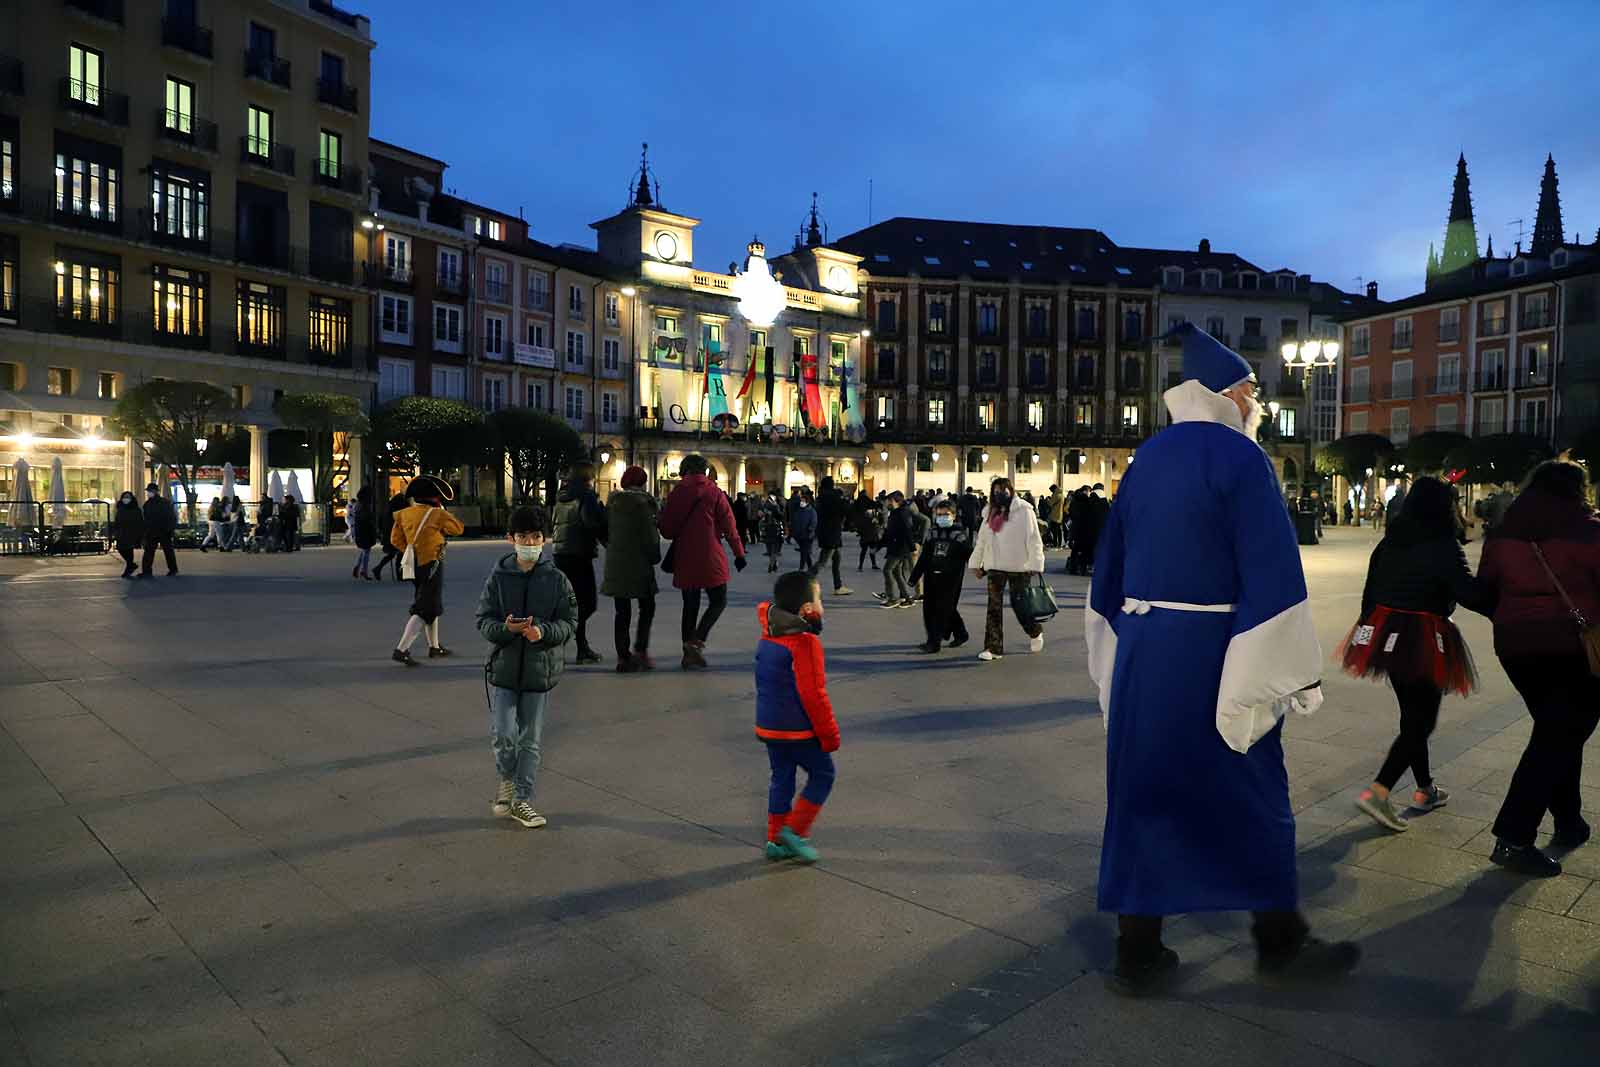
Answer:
(1252, 421)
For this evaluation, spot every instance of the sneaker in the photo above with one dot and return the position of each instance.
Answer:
(986, 655)
(1036, 644)
(523, 812)
(1430, 798)
(588, 655)
(906, 604)
(777, 850)
(438, 653)
(642, 658)
(889, 605)
(957, 642)
(843, 590)
(503, 796)
(930, 647)
(1381, 811)
(1524, 859)
(799, 847)
(693, 657)
(1134, 980)
(402, 656)
(881, 596)
(1312, 960)
(1570, 836)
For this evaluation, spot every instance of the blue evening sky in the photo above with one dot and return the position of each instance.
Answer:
(1317, 136)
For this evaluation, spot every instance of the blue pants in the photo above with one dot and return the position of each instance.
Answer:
(515, 728)
(787, 757)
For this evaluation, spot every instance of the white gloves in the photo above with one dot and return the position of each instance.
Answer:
(1301, 701)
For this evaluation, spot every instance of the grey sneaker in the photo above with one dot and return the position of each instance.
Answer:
(1430, 798)
(1381, 811)
(523, 812)
(502, 800)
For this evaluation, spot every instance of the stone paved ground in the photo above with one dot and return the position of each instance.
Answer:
(233, 832)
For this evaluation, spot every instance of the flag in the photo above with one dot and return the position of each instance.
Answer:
(771, 373)
(797, 389)
(816, 415)
(716, 391)
(749, 374)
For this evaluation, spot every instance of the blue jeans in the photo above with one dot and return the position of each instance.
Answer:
(516, 723)
(786, 758)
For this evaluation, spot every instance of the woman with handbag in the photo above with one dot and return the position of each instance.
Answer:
(1541, 565)
(1415, 578)
(419, 532)
(697, 519)
(1009, 554)
(633, 548)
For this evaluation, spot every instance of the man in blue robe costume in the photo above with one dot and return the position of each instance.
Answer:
(1200, 640)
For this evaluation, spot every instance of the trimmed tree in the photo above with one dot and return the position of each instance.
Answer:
(1428, 453)
(1351, 455)
(1499, 458)
(322, 416)
(428, 435)
(536, 445)
(173, 417)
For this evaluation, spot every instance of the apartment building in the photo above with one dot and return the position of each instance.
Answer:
(180, 190)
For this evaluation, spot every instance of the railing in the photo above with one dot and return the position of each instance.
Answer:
(1036, 381)
(1133, 338)
(323, 7)
(1398, 390)
(387, 273)
(11, 80)
(536, 299)
(185, 34)
(110, 10)
(1361, 348)
(1449, 385)
(145, 328)
(259, 348)
(266, 154)
(1358, 394)
(499, 292)
(1446, 426)
(1399, 341)
(1494, 327)
(1535, 320)
(274, 69)
(448, 283)
(1450, 332)
(342, 176)
(320, 353)
(186, 129)
(54, 528)
(834, 434)
(336, 94)
(84, 320)
(1490, 379)
(1534, 378)
(1252, 342)
(1536, 425)
(330, 268)
(88, 98)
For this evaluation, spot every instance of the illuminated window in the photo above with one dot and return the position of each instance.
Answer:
(328, 327)
(260, 317)
(87, 288)
(85, 73)
(258, 134)
(180, 301)
(179, 114)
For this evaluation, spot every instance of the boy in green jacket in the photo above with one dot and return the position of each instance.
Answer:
(527, 611)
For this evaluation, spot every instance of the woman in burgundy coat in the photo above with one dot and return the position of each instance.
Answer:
(695, 518)
(1536, 636)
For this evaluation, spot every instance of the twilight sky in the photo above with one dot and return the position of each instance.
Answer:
(1316, 136)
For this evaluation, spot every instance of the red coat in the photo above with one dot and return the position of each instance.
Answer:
(1530, 618)
(698, 561)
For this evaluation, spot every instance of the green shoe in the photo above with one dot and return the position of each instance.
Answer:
(777, 851)
(799, 847)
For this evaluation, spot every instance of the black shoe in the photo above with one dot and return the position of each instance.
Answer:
(130, 573)
(957, 642)
(1571, 836)
(1524, 859)
(437, 653)
(402, 656)
(930, 647)
(203, 548)
(588, 655)
(1312, 960)
(1137, 979)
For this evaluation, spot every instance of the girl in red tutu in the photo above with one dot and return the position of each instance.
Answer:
(1416, 577)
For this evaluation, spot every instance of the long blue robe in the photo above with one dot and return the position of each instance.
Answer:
(1198, 815)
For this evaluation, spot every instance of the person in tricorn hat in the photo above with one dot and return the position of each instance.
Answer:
(419, 532)
(1200, 640)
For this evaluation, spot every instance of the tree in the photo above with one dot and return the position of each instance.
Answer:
(1586, 450)
(320, 416)
(177, 419)
(536, 444)
(428, 435)
(1350, 456)
(1499, 458)
(1428, 453)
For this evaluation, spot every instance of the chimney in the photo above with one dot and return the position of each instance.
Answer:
(1372, 290)
(1205, 246)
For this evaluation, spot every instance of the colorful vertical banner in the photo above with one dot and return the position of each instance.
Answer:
(816, 414)
(715, 389)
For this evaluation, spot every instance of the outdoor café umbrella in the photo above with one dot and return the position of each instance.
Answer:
(22, 511)
(227, 481)
(294, 487)
(58, 494)
(275, 488)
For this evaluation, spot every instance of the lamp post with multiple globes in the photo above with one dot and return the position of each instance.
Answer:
(1307, 357)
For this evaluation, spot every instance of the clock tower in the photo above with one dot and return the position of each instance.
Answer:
(644, 236)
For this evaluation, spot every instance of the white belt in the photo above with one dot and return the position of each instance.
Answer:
(1134, 606)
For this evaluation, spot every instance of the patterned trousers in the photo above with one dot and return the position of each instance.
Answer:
(999, 583)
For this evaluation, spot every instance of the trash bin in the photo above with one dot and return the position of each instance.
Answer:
(1305, 527)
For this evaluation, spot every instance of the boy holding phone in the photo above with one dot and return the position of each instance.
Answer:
(527, 612)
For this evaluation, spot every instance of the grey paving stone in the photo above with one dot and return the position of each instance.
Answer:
(453, 1034)
(643, 1023)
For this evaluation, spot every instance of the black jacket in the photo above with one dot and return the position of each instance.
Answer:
(970, 510)
(160, 518)
(899, 533)
(579, 522)
(1415, 569)
(944, 553)
(128, 524)
(832, 509)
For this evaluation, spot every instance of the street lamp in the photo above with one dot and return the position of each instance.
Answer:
(1308, 354)
(200, 444)
(605, 457)
(883, 454)
(629, 291)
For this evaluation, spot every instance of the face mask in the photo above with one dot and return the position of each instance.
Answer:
(1001, 499)
(804, 504)
(529, 553)
(944, 520)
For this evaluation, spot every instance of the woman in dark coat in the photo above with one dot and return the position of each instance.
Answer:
(1415, 578)
(127, 528)
(1546, 544)
(363, 530)
(633, 548)
(391, 554)
(697, 519)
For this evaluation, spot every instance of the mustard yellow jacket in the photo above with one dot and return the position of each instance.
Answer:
(428, 543)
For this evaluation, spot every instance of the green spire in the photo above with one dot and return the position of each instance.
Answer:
(1461, 235)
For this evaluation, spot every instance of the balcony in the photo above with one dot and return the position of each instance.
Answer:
(1358, 394)
(574, 313)
(1131, 380)
(187, 130)
(11, 81)
(1361, 346)
(1534, 377)
(144, 328)
(1448, 385)
(267, 68)
(1037, 380)
(1490, 380)
(332, 174)
(1533, 425)
(1400, 341)
(109, 10)
(267, 252)
(394, 275)
(96, 101)
(448, 284)
(321, 352)
(331, 268)
(94, 319)
(265, 154)
(1133, 338)
(172, 232)
(261, 346)
(336, 94)
(1086, 332)
(988, 379)
(498, 292)
(537, 299)
(1536, 320)
(1252, 342)
(187, 36)
(1401, 390)
(1495, 327)
(1449, 333)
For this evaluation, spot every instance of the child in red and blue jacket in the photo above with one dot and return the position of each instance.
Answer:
(793, 714)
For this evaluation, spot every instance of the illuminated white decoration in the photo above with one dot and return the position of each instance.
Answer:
(761, 298)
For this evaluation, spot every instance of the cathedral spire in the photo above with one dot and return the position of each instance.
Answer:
(1461, 235)
(1433, 261)
(1547, 232)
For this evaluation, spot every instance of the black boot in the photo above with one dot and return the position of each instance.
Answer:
(1570, 836)
(1524, 859)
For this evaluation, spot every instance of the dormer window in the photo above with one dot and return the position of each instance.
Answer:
(1285, 283)
(1172, 278)
(1211, 279)
(1558, 258)
(1248, 280)
(1519, 268)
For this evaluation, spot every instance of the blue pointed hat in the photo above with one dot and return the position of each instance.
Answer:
(1209, 361)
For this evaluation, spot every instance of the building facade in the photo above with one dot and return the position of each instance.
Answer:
(179, 198)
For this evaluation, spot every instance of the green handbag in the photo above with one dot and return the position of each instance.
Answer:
(1035, 601)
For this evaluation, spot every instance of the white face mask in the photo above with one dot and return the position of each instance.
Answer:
(529, 553)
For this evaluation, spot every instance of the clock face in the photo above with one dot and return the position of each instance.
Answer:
(666, 246)
(838, 279)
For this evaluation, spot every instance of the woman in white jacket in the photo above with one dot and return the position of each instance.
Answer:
(1008, 554)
